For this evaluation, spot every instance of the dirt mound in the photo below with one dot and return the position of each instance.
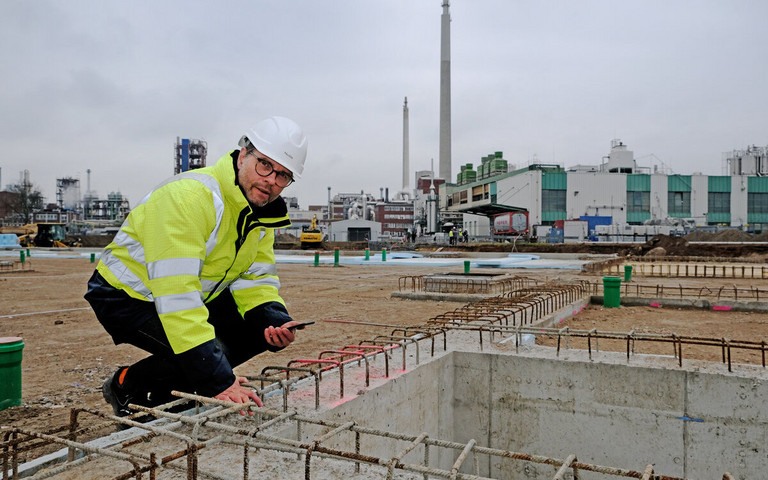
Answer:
(726, 235)
(732, 235)
(762, 237)
(699, 236)
(91, 241)
(286, 238)
(671, 245)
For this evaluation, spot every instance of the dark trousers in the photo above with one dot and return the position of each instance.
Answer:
(151, 379)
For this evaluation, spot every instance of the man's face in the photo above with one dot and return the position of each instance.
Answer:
(260, 190)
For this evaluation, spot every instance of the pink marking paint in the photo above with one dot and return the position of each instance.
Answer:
(721, 307)
(655, 304)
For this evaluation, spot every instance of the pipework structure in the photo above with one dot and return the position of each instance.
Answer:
(68, 193)
(190, 154)
(114, 208)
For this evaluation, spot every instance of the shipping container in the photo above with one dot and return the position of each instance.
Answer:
(594, 220)
(575, 231)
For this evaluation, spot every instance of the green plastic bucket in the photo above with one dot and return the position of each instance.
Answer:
(627, 273)
(611, 292)
(10, 371)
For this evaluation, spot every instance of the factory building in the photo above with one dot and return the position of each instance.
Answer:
(189, 154)
(617, 188)
(353, 215)
(396, 217)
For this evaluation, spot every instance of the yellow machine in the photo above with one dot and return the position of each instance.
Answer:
(21, 231)
(311, 237)
(45, 235)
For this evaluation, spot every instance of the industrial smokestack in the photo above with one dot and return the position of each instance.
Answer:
(406, 167)
(445, 93)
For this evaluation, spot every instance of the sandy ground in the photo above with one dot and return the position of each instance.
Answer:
(67, 354)
(682, 322)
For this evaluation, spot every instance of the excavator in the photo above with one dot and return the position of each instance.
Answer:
(45, 235)
(312, 236)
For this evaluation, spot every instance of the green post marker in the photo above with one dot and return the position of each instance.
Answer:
(611, 292)
(466, 266)
(93, 257)
(383, 254)
(336, 257)
(317, 259)
(10, 371)
(367, 254)
(21, 256)
(28, 254)
(627, 273)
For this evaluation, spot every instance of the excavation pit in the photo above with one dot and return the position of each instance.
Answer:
(492, 415)
(684, 422)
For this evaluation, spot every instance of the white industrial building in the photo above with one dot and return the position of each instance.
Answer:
(619, 189)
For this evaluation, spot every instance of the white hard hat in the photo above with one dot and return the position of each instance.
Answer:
(281, 140)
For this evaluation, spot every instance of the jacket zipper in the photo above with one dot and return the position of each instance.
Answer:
(244, 227)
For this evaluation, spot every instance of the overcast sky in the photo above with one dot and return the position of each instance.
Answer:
(108, 86)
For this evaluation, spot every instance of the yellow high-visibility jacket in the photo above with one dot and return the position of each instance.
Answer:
(189, 239)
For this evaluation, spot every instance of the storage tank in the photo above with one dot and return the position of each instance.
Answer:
(510, 223)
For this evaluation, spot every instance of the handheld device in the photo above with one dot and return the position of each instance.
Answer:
(300, 326)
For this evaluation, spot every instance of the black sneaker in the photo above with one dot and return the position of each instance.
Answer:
(114, 395)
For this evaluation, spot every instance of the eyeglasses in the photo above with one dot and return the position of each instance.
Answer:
(265, 169)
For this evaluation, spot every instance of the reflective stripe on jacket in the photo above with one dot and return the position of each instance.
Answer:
(189, 239)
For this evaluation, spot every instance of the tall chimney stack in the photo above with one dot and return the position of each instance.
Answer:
(445, 94)
(406, 167)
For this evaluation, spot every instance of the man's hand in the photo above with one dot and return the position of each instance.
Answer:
(236, 393)
(281, 336)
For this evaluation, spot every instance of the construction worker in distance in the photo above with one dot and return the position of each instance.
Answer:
(191, 277)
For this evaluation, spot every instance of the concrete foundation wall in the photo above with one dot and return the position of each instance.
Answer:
(688, 424)
(416, 402)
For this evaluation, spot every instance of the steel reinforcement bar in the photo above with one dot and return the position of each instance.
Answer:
(680, 268)
(422, 283)
(520, 307)
(723, 292)
(339, 441)
(725, 346)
